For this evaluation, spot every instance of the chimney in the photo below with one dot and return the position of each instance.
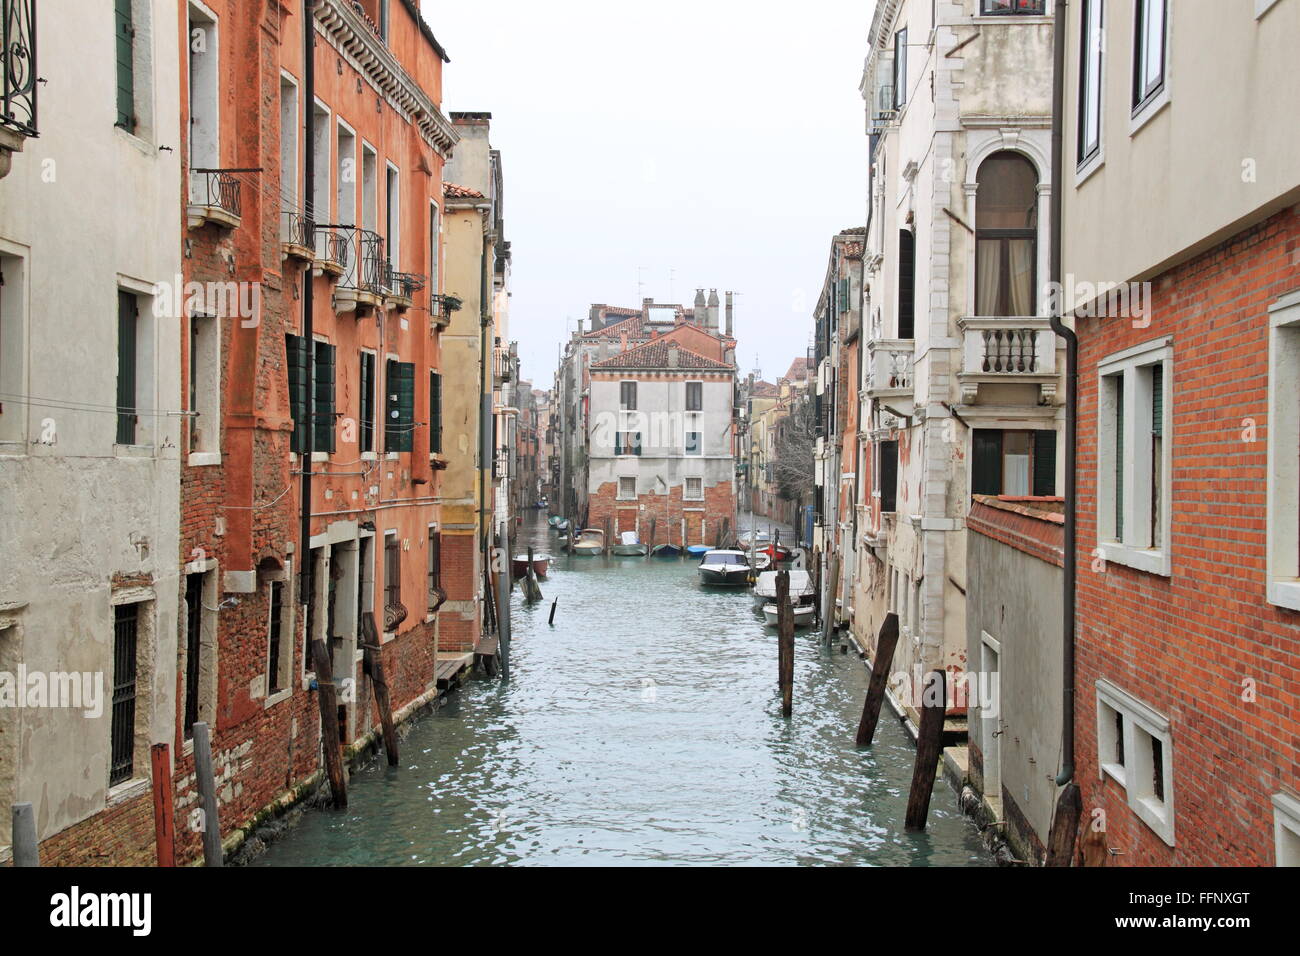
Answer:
(622, 338)
(713, 309)
(729, 356)
(729, 325)
(673, 357)
(699, 308)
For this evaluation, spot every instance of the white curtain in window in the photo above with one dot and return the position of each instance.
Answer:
(987, 276)
(1022, 276)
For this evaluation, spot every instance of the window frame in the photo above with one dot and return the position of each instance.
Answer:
(1142, 726)
(686, 484)
(1286, 824)
(1282, 485)
(985, 10)
(900, 69)
(699, 392)
(1089, 153)
(1128, 469)
(619, 495)
(1144, 94)
(433, 565)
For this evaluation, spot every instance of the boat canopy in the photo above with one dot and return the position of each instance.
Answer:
(801, 584)
(628, 537)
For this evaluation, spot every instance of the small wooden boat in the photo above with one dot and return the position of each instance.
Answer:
(755, 539)
(519, 565)
(725, 569)
(697, 550)
(666, 551)
(629, 546)
(589, 542)
(801, 587)
(554, 521)
(803, 614)
(776, 553)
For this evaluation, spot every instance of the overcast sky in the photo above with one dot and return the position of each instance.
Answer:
(720, 140)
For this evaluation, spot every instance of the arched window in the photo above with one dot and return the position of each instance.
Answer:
(1006, 235)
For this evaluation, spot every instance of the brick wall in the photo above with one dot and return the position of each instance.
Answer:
(1183, 645)
(667, 512)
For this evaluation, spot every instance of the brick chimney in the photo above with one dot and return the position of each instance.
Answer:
(729, 325)
(713, 309)
(674, 357)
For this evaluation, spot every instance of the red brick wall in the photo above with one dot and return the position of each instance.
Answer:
(1184, 645)
(667, 511)
(121, 835)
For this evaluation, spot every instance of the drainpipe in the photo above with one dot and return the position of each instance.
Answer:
(308, 190)
(1071, 396)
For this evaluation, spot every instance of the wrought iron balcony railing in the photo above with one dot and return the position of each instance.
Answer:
(18, 66)
(373, 275)
(216, 189)
(332, 246)
(404, 284)
(297, 229)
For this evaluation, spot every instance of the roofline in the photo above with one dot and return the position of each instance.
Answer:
(413, 8)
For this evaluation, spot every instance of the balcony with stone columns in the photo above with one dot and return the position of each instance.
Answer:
(1007, 350)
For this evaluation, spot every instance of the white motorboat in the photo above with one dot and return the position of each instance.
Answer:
(801, 587)
(725, 568)
(803, 614)
(629, 545)
(753, 538)
(590, 541)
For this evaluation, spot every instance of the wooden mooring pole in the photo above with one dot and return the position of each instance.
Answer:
(373, 665)
(329, 724)
(885, 644)
(503, 613)
(1065, 826)
(929, 747)
(164, 814)
(785, 641)
(654, 522)
(551, 620)
(25, 848)
(210, 820)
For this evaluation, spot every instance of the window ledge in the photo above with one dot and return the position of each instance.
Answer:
(127, 790)
(991, 19)
(1149, 110)
(275, 698)
(1083, 172)
(1149, 560)
(392, 456)
(369, 456)
(1115, 771)
(320, 456)
(199, 459)
(1156, 815)
(1285, 593)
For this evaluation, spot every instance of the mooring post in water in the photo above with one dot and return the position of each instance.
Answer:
(929, 747)
(503, 611)
(532, 590)
(605, 543)
(26, 851)
(653, 527)
(551, 620)
(832, 591)
(209, 819)
(785, 638)
(164, 815)
(329, 723)
(885, 644)
(373, 664)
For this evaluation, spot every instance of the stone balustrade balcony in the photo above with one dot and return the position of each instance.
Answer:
(1007, 349)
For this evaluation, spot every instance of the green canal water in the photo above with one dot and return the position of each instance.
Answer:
(643, 728)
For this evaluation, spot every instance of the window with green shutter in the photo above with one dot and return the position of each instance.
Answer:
(323, 398)
(1044, 463)
(127, 315)
(435, 413)
(1157, 451)
(124, 37)
(399, 420)
(366, 412)
(295, 347)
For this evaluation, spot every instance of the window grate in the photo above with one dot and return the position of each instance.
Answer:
(125, 643)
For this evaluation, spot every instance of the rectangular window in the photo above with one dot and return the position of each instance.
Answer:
(369, 187)
(1149, 37)
(346, 175)
(124, 40)
(627, 488)
(1015, 463)
(906, 284)
(204, 103)
(366, 403)
(1283, 483)
(694, 489)
(1090, 90)
(13, 348)
(193, 649)
(296, 362)
(126, 629)
(695, 396)
(1286, 830)
(435, 413)
(627, 443)
(435, 567)
(277, 663)
(393, 217)
(695, 443)
(289, 158)
(323, 398)
(128, 366)
(900, 69)
(392, 571)
(1135, 749)
(1133, 457)
(205, 384)
(627, 396)
(888, 476)
(992, 8)
(399, 423)
(435, 243)
(321, 193)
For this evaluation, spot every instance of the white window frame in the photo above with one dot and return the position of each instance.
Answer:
(1282, 538)
(1126, 365)
(14, 347)
(286, 579)
(393, 215)
(290, 194)
(686, 487)
(1286, 830)
(622, 497)
(1086, 167)
(1135, 776)
(206, 388)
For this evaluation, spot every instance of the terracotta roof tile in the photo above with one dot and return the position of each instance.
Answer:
(654, 354)
(456, 191)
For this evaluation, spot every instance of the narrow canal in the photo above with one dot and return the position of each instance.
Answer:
(643, 728)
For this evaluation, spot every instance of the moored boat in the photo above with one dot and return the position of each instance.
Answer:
(519, 565)
(801, 587)
(755, 539)
(725, 568)
(666, 551)
(697, 550)
(589, 542)
(803, 614)
(629, 545)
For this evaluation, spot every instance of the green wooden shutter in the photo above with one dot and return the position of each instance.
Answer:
(889, 476)
(400, 408)
(1158, 400)
(323, 398)
(295, 347)
(127, 311)
(124, 35)
(986, 462)
(435, 412)
(366, 411)
(1044, 462)
(1119, 458)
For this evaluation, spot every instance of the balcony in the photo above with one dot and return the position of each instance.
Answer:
(17, 77)
(297, 236)
(1018, 350)
(441, 308)
(365, 282)
(331, 252)
(889, 368)
(402, 287)
(214, 198)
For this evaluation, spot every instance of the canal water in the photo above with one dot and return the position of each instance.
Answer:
(643, 728)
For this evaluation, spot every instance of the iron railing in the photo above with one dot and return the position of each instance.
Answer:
(18, 65)
(297, 229)
(217, 189)
(374, 267)
(405, 284)
(122, 732)
(332, 246)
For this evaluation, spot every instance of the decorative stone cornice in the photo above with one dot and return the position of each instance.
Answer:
(349, 34)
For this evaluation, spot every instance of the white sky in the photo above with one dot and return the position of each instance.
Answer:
(721, 140)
